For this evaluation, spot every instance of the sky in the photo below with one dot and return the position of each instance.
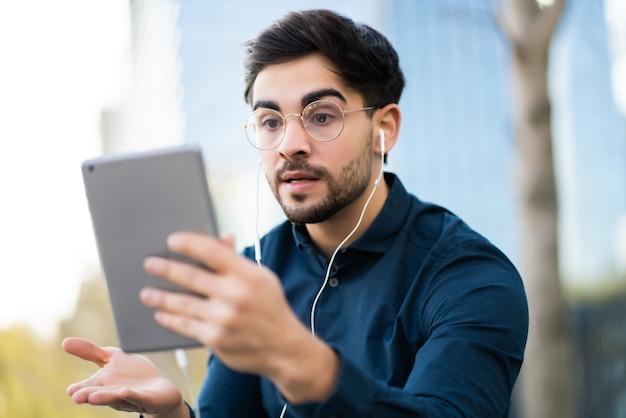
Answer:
(616, 17)
(60, 66)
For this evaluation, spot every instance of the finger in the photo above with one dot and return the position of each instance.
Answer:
(228, 240)
(203, 321)
(203, 331)
(219, 256)
(147, 399)
(79, 391)
(187, 275)
(75, 388)
(115, 398)
(173, 302)
(86, 350)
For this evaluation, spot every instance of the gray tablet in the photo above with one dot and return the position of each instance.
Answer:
(136, 200)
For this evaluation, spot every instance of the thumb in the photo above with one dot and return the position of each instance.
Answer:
(228, 239)
(86, 350)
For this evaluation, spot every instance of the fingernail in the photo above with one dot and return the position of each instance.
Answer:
(175, 239)
(146, 294)
(153, 264)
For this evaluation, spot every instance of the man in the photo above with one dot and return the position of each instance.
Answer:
(368, 302)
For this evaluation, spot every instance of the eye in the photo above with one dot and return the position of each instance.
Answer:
(320, 118)
(271, 123)
(322, 114)
(268, 120)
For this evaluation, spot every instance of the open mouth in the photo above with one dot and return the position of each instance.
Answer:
(299, 180)
(294, 178)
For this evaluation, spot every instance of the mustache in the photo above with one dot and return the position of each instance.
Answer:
(303, 166)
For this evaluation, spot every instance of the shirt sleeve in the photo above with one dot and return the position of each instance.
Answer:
(474, 315)
(227, 393)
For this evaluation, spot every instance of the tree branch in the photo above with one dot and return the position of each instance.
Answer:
(530, 28)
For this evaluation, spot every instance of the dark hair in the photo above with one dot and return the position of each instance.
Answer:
(364, 58)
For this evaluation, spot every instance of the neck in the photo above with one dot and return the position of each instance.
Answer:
(328, 235)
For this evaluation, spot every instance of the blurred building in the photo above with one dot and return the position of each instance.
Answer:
(151, 113)
(590, 144)
(456, 146)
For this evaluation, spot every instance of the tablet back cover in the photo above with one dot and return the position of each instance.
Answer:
(136, 200)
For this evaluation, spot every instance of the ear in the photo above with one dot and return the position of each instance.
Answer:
(387, 120)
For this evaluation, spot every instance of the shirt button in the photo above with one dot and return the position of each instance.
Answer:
(333, 282)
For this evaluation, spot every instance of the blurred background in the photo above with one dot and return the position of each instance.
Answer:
(79, 78)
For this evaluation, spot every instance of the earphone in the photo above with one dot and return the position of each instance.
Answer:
(382, 157)
(257, 242)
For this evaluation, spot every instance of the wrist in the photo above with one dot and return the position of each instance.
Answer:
(311, 375)
(182, 410)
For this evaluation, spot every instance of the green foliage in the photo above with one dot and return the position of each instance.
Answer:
(35, 373)
(596, 291)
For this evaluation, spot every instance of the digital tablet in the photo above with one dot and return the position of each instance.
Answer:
(136, 200)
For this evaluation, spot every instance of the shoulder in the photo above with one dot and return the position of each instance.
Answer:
(457, 262)
(461, 256)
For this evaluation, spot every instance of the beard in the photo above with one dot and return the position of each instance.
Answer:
(349, 185)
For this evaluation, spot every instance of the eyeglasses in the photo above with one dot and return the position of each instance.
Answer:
(324, 120)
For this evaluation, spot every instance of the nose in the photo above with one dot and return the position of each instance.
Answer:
(296, 141)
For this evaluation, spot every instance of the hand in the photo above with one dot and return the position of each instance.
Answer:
(241, 315)
(125, 382)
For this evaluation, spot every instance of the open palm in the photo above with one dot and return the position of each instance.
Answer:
(124, 381)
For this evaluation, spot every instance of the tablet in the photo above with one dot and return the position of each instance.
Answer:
(136, 200)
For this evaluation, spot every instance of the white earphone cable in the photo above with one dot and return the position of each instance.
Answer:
(257, 243)
(341, 244)
(257, 236)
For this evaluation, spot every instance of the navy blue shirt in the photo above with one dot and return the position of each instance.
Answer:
(428, 317)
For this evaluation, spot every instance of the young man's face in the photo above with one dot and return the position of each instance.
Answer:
(313, 180)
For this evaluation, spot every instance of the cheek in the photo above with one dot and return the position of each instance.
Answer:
(339, 154)
(268, 165)
(268, 160)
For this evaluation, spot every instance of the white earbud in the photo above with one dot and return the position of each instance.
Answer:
(382, 156)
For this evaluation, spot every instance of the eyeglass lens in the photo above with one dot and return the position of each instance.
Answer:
(323, 120)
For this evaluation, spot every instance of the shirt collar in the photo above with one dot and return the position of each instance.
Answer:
(385, 227)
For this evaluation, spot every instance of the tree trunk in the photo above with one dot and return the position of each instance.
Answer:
(546, 379)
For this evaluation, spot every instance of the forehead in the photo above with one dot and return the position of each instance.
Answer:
(287, 83)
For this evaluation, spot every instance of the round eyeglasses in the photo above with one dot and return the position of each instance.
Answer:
(324, 120)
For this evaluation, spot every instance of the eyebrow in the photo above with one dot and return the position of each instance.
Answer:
(306, 99)
(320, 94)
